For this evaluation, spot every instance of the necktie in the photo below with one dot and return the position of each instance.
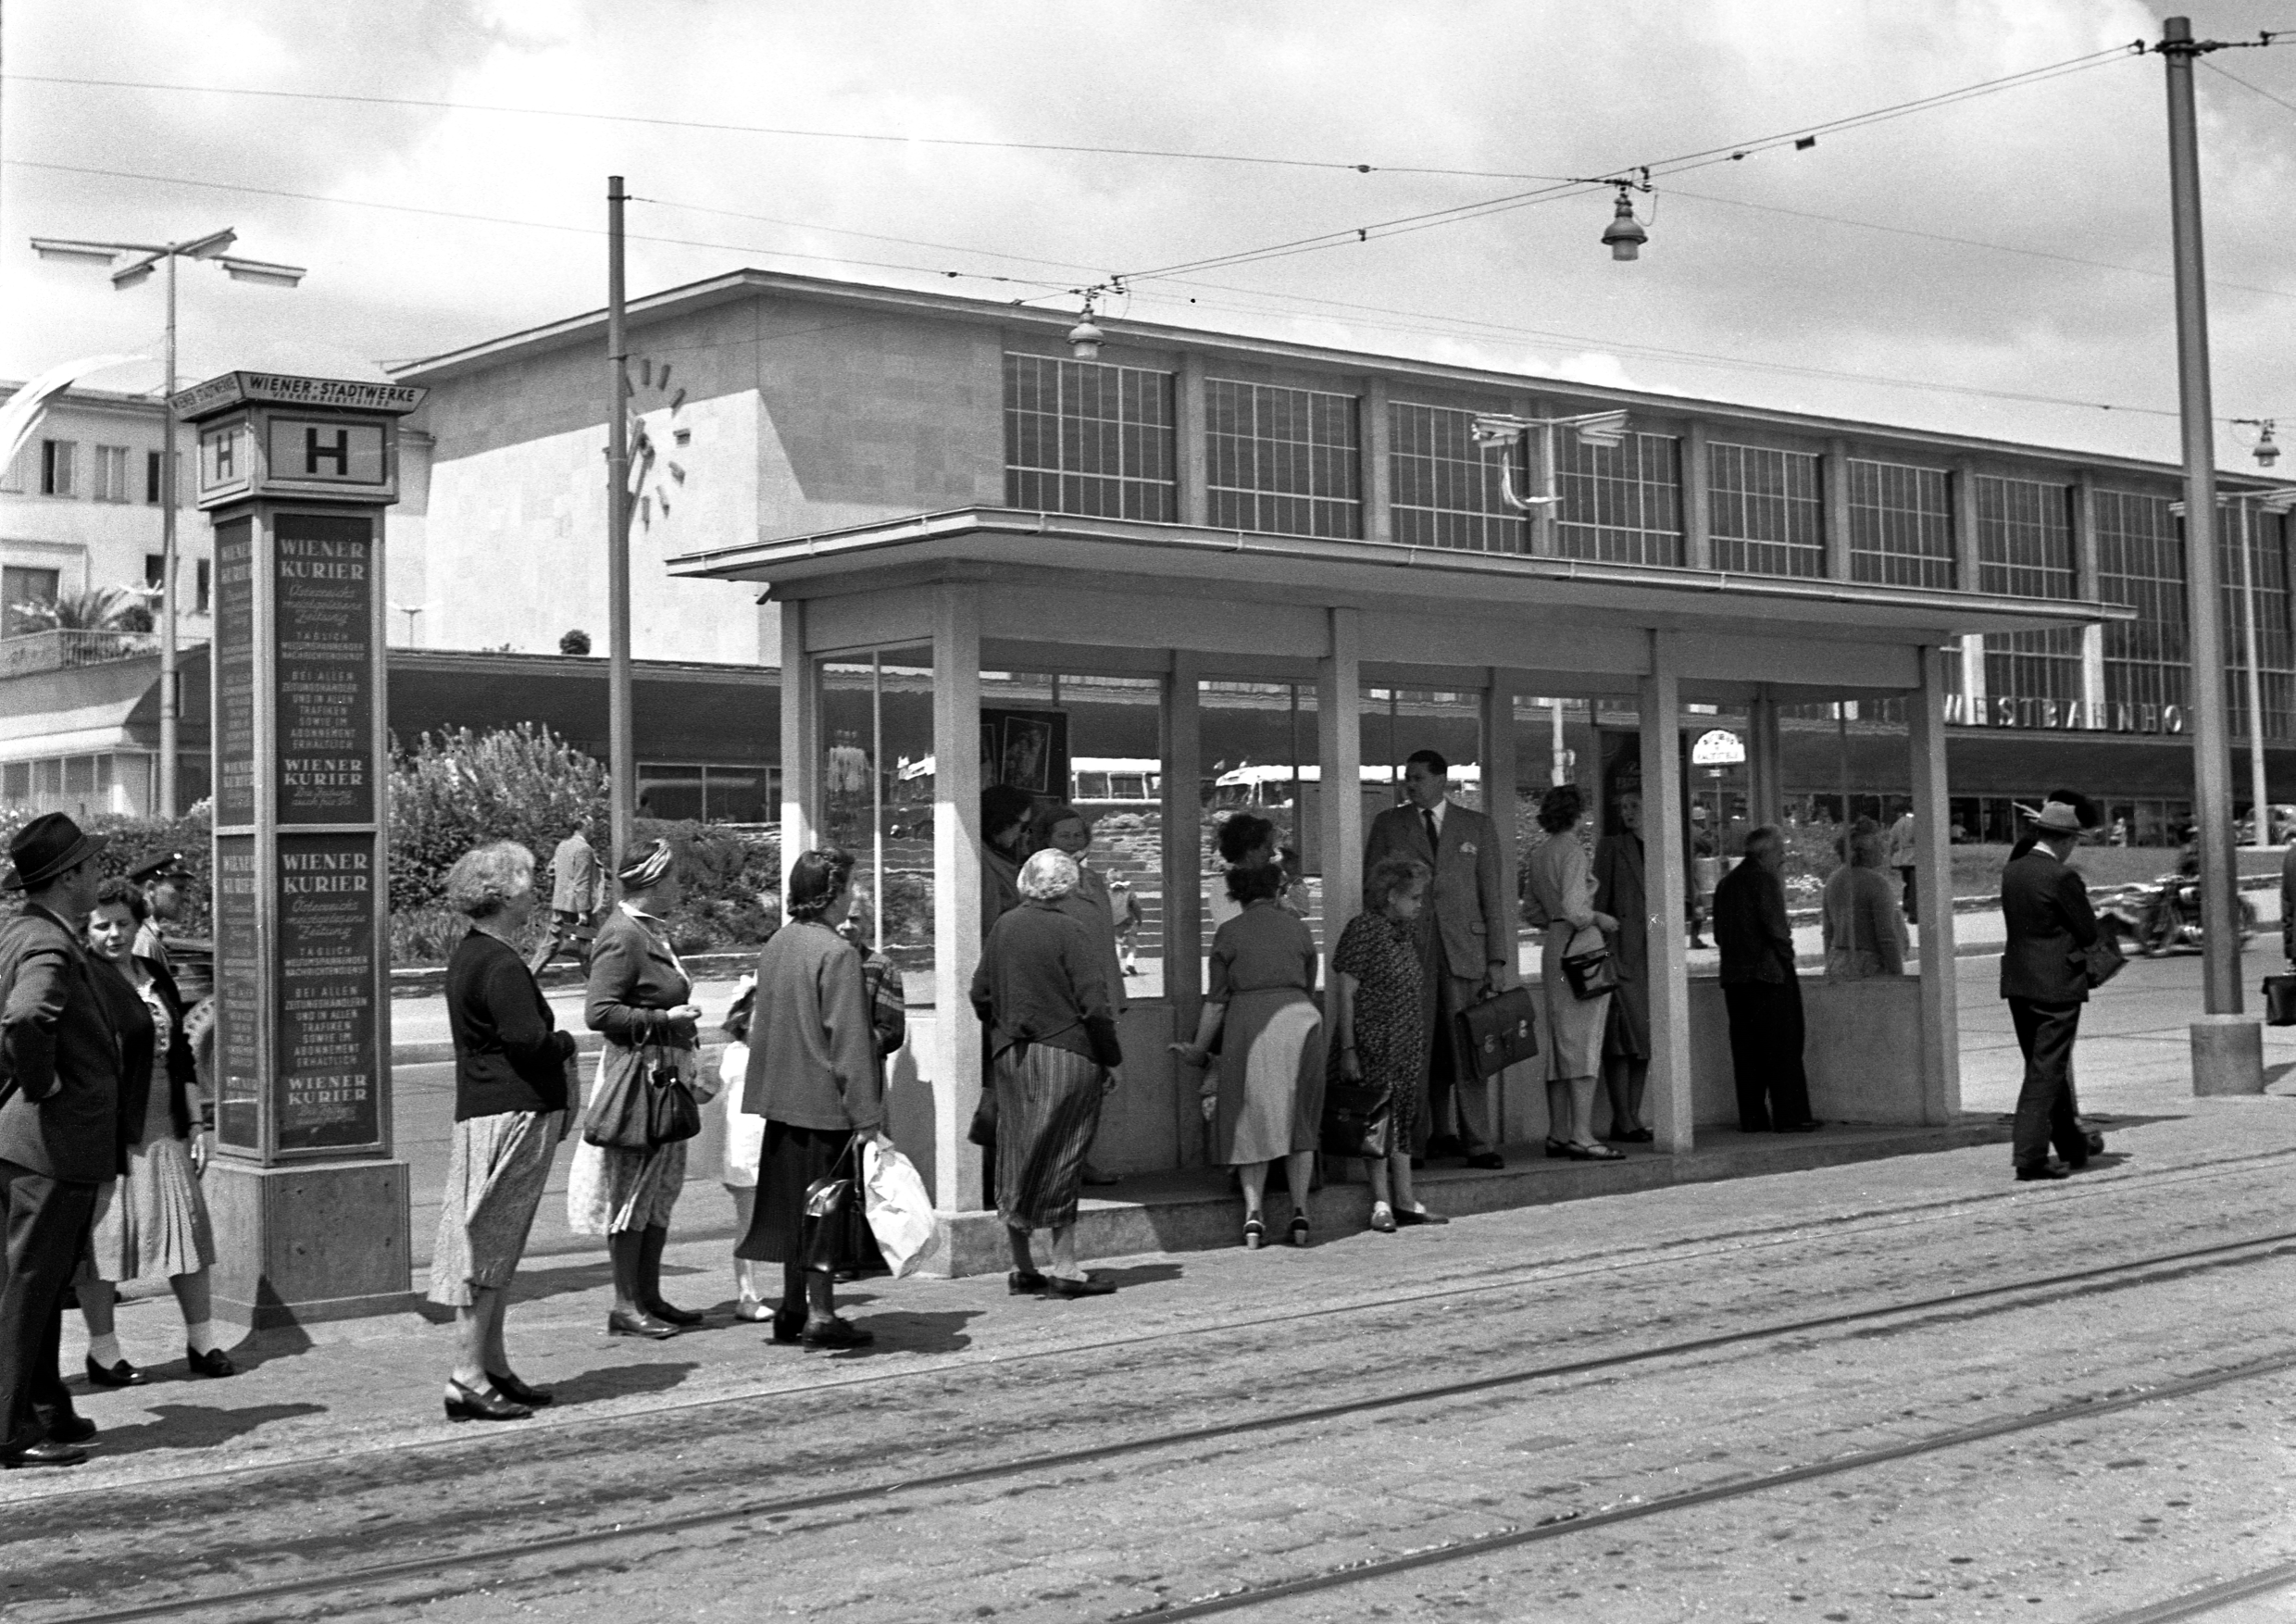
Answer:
(1434, 834)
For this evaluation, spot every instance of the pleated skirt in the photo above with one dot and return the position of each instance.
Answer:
(1047, 1105)
(151, 1223)
(496, 1167)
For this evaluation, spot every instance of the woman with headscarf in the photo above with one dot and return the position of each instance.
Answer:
(510, 1096)
(639, 998)
(1262, 1008)
(1043, 994)
(1862, 930)
(1559, 887)
(814, 1077)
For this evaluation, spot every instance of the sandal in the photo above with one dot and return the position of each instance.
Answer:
(1255, 1233)
(1558, 1148)
(1297, 1231)
(1382, 1217)
(1596, 1153)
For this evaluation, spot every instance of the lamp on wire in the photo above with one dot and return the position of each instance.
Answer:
(1625, 236)
(1085, 337)
(2265, 451)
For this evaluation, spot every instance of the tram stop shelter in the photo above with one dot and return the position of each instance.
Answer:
(951, 593)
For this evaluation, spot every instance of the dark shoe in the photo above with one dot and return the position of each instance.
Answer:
(663, 1311)
(1489, 1161)
(490, 1405)
(620, 1324)
(1444, 1144)
(1630, 1136)
(47, 1451)
(1255, 1233)
(1060, 1286)
(1383, 1218)
(1812, 1126)
(1407, 1216)
(1099, 1179)
(2042, 1174)
(121, 1374)
(216, 1362)
(1297, 1232)
(1762, 1127)
(787, 1330)
(1024, 1282)
(1558, 1149)
(833, 1333)
(64, 1426)
(1419, 1164)
(517, 1391)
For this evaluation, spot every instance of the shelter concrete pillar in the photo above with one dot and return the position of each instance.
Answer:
(1764, 769)
(1499, 774)
(1664, 871)
(801, 739)
(2087, 584)
(1338, 752)
(1933, 890)
(1697, 499)
(1183, 879)
(1969, 573)
(1196, 503)
(956, 893)
(1834, 476)
(1377, 484)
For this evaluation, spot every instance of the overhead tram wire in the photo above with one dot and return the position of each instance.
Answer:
(2256, 89)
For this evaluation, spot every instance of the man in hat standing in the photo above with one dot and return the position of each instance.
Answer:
(59, 1129)
(163, 879)
(2045, 908)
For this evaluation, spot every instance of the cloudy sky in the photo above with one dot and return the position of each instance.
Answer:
(1919, 270)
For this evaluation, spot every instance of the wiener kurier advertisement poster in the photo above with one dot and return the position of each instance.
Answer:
(235, 673)
(239, 993)
(324, 577)
(325, 1058)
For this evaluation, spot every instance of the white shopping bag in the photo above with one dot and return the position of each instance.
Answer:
(899, 1210)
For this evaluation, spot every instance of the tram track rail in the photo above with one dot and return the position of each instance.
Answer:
(484, 1568)
(2199, 1604)
(1550, 1271)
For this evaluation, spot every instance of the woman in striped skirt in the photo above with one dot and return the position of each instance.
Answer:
(1043, 994)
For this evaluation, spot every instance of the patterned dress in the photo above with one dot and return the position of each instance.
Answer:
(1383, 955)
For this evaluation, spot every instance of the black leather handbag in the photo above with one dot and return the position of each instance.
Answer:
(2280, 1000)
(1358, 1120)
(1590, 973)
(1497, 1032)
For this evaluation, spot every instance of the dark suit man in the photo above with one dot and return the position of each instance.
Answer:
(1762, 991)
(2046, 915)
(1466, 936)
(59, 1129)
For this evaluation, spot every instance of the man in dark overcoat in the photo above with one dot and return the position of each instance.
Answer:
(1762, 989)
(2046, 916)
(59, 1129)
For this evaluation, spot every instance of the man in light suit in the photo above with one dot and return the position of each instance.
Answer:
(2045, 912)
(1466, 936)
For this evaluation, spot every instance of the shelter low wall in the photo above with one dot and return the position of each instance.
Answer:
(1863, 1053)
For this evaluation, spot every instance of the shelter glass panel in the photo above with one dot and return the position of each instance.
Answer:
(1901, 525)
(1623, 503)
(2261, 536)
(1088, 438)
(2140, 564)
(1446, 487)
(1768, 517)
(2025, 549)
(1282, 461)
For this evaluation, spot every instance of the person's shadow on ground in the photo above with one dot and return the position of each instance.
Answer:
(194, 1426)
(908, 1332)
(619, 1381)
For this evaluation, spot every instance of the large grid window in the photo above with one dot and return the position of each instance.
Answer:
(2275, 649)
(1446, 486)
(2140, 564)
(1768, 519)
(1281, 460)
(1084, 437)
(2024, 549)
(1901, 525)
(1620, 503)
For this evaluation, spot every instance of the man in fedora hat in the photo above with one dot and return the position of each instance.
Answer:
(2044, 907)
(59, 1129)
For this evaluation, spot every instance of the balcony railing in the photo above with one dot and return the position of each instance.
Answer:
(55, 650)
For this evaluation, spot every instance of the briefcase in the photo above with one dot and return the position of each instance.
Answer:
(1497, 1032)
(2280, 1000)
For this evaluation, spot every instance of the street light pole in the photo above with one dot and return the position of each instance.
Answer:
(212, 247)
(621, 748)
(2203, 602)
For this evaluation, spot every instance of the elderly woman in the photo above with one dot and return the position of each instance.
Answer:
(814, 1077)
(1379, 1024)
(1619, 891)
(1042, 993)
(1862, 930)
(1062, 828)
(153, 1219)
(511, 1065)
(1559, 891)
(1268, 1091)
(640, 999)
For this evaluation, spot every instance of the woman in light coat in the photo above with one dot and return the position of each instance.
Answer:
(1559, 889)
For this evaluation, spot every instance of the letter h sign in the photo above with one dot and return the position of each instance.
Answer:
(340, 451)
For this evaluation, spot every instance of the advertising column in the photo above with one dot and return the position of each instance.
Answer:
(310, 1205)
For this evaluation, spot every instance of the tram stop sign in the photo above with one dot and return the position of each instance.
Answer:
(310, 1207)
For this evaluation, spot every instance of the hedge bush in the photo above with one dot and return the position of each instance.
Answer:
(132, 842)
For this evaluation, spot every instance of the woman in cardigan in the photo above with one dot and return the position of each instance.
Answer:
(640, 997)
(1268, 1090)
(1043, 994)
(813, 1076)
(151, 1221)
(1862, 930)
(1561, 891)
(511, 1064)
(1619, 891)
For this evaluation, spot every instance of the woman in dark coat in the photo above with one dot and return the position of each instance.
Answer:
(640, 999)
(813, 1075)
(511, 1064)
(1043, 996)
(1618, 892)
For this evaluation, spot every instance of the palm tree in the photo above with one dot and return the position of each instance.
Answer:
(99, 609)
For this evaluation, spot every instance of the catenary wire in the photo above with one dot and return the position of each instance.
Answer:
(2254, 89)
(383, 1572)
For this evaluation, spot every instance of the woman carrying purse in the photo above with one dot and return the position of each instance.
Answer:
(1561, 890)
(639, 999)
